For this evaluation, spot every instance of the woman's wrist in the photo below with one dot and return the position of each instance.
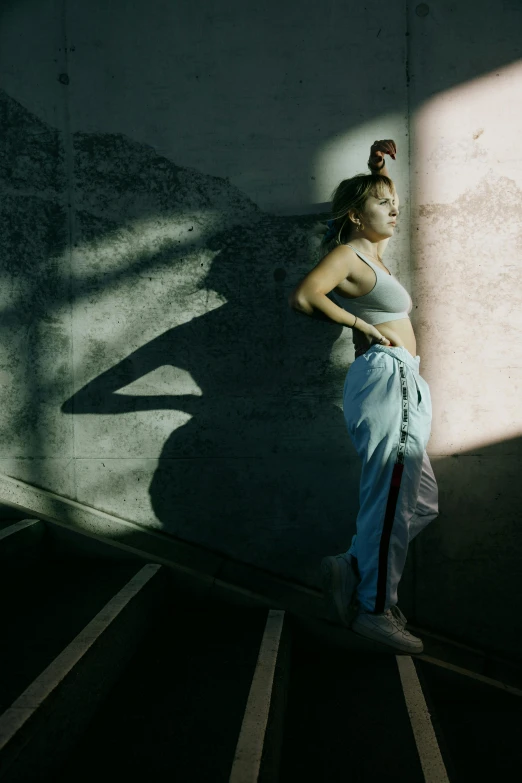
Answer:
(358, 323)
(376, 166)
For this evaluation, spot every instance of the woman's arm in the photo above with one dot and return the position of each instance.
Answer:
(377, 153)
(310, 295)
(375, 164)
(381, 170)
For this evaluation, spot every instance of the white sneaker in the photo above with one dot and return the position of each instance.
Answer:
(387, 628)
(340, 580)
(399, 615)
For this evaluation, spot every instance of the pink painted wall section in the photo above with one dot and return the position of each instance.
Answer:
(465, 76)
(467, 255)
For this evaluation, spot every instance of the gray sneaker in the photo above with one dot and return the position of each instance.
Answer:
(340, 579)
(387, 628)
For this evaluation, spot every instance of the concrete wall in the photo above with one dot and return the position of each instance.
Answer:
(164, 167)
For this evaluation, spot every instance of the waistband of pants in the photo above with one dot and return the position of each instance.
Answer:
(397, 352)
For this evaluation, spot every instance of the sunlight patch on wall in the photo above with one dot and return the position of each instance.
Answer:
(346, 154)
(166, 380)
(474, 127)
(142, 245)
(466, 249)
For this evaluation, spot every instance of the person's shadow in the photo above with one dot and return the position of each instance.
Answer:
(261, 469)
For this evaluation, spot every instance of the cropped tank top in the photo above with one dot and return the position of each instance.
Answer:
(387, 301)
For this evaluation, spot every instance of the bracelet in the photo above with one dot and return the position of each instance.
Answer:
(352, 326)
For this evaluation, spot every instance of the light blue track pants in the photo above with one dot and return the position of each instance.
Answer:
(387, 409)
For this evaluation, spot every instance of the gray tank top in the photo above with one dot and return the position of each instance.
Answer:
(387, 301)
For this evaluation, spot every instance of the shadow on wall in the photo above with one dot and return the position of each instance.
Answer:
(262, 461)
(263, 469)
(465, 565)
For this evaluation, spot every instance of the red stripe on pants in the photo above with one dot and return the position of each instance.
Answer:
(384, 548)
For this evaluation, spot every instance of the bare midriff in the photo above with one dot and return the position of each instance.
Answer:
(399, 333)
(360, 282)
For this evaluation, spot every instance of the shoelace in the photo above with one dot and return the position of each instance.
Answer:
(395, 614)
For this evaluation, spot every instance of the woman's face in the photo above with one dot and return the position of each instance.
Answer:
(380, 214)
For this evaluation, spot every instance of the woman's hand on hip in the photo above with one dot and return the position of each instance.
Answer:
(394, 338)
(371, 334)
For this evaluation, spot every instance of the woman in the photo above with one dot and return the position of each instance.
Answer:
(387, 404)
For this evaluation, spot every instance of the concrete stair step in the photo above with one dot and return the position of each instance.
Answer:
(347, 717)
(374, 715)
(22, 544)
(50, 712)
(478, 723)
(207, 684)
(177, 709)
(43, 609)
